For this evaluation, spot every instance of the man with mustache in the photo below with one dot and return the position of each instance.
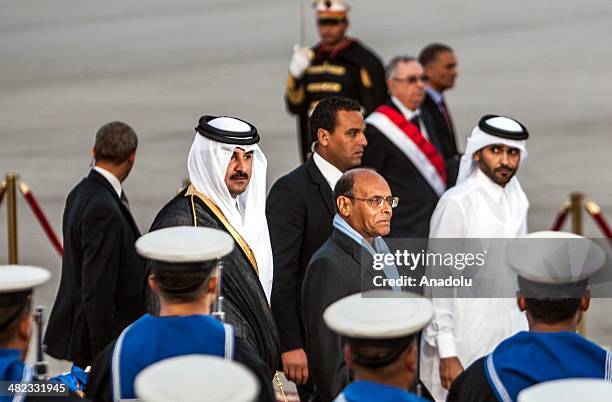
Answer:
(338, 65)
(405, 147)
(344, 266)
(300, 211)
(487, 202)
(227, 171)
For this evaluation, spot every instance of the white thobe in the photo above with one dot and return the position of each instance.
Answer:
(463, 327)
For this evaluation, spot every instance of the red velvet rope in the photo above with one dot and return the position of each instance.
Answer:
(42, 219)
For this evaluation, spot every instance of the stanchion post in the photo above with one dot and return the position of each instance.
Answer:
(576, 199)
(11, 198)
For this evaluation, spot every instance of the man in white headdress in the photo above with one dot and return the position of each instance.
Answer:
(227, 171)
(487, 202)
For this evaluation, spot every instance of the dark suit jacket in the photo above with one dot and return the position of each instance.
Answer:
(446, 136)
(102, 284)
(417, 199)
(300, 212)
(341, 267)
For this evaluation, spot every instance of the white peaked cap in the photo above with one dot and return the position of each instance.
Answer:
(379, 314)
(17, 278)
(568, 390)
(550, 257)
(185, 244)
(196, 378)
(330, 5)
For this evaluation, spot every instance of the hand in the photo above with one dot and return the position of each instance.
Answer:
(300, 61)
(295, 366)
(450, 368)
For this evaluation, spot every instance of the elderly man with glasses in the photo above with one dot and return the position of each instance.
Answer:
(344, 266)
(405, 147)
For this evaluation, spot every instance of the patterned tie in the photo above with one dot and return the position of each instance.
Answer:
(416, 121)
(446, 115)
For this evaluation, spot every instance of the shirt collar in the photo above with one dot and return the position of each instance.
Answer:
(435, 95)
(331, 173)
(493, 189)
(111, 178)
(362, 390)
(408, 114)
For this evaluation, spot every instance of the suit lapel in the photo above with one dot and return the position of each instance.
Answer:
(360, 255)
(324, 189)
(126, 212)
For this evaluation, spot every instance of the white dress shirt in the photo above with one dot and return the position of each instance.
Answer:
(409, 114)
(111, 178)
(469, 328)
(331, 173)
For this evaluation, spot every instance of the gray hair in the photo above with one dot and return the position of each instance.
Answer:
(390, 69)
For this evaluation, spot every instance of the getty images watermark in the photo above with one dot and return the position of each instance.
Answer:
(419, 261)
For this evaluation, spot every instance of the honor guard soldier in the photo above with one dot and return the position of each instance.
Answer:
(196, 378)
(337, 65)
(380, 330)
(17, 284)
(572, 390)
(184, 273)
(553, 273)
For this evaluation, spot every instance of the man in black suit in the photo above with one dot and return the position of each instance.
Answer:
(103, 279)
(406, 149)
(300, 212)
(440, 66)
(344, 266)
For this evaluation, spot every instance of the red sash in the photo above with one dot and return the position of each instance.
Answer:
(415, 135)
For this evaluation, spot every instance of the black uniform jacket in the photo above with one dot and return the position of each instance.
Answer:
(245, 304)
(341, 267)
(300, 212)
(447, 137)
(351, 70)
(417, 198)
(102, 285)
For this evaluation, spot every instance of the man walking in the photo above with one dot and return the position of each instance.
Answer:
(103, 278)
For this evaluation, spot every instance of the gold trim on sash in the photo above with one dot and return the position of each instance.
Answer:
(191, 191)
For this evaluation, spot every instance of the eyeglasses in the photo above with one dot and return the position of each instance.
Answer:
(412, 79)
(377, 201)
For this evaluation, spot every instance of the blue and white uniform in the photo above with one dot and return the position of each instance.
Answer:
(529, 358)
(14, 370)
(367, 391)
(151, 339)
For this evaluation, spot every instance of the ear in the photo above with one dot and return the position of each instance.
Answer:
(476, 156)
(212, 284)
(93, 152)
(132, 157)
(153, 284)
(411, 357)
(343, 205)
(348, 355)
(520, 302)
(25, 326)
(323, 136)
(585, 302)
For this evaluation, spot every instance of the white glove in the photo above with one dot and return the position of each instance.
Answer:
(300, 61)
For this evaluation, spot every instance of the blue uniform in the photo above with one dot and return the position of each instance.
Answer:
(13, 369)
(529, 358)
(367, 391)
(151, 339)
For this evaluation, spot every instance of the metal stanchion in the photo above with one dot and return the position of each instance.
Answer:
(11, 195)
(576, 199)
